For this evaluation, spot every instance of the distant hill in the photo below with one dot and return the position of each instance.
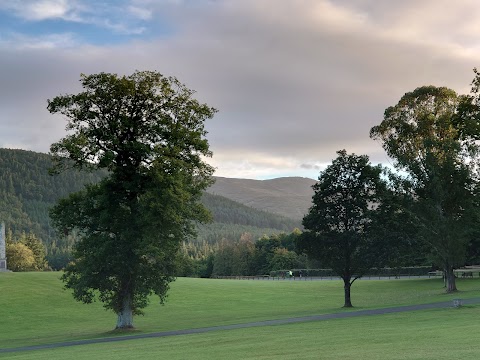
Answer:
(27, 192)
(227, 211)
(288, 196)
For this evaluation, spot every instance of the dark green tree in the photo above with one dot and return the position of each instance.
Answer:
(431, 136)
(343, 228)
(243, 255)
(283, 259)
(222, 263)
(264, 251)
(147, 131)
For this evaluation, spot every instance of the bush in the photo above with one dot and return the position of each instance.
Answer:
(20, 257)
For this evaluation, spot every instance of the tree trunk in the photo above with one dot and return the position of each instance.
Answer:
(346, 288)
(125, 316)
(450, 277)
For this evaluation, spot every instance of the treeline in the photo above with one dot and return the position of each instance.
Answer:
(245, 256)
(249, 255)
(27, 192)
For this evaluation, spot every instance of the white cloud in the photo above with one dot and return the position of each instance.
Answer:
(50, 41)
(139, 12)
(118, 17)
(46, 9)
(120, 28)
(37, 10)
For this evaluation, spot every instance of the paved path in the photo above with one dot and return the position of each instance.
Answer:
(444, 304)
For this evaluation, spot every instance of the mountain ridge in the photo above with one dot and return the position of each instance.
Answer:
(286, 196)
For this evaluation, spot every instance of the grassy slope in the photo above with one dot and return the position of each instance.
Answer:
(36, 310)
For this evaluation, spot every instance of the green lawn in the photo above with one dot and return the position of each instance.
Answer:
(426, 335)
(36, 310)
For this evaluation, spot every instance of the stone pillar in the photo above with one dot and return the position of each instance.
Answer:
(3, 259)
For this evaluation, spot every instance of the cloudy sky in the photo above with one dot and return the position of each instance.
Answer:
(294, 80)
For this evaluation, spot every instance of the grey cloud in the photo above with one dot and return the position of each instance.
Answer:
(310, 166)
(287, 87)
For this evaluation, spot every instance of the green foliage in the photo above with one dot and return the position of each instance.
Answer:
(25, 252)
(235, 258)
(249, 257)
(24, 214)
(284, 259)
(350, 203)
(431, 136)
(27, 192)
(20, 257)
(148, 132)
(38, 250)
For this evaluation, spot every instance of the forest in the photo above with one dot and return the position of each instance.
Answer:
(28, 191)
(239, 241)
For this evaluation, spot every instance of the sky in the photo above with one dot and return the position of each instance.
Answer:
(294, 80)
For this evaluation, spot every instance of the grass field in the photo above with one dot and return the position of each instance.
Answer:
(35, 310)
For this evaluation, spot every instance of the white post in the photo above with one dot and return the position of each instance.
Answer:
(3, 259)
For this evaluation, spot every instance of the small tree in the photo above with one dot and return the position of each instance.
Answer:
(38, 249)
(350, 202)
(148, 132)
(20, 257)
(283, 259)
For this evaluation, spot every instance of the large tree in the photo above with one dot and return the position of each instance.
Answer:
(431, 135)
(343, 228)
(148, 132)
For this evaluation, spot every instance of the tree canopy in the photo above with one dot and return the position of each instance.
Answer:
(342, 228)
(147, 131)
(431, 136)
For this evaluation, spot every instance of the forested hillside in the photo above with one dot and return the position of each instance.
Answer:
(27, 191)
(227, 211)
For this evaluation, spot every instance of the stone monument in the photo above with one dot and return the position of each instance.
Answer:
(3, 259)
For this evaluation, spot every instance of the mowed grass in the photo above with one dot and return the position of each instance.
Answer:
(34, 309)
(422, 335)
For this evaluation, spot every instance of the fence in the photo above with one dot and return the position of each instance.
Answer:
(315, 274)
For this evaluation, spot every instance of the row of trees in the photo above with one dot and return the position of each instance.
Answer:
(147, 132)
(250, 257)
(363, 214)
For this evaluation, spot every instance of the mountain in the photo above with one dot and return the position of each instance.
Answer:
(290, 197)
(227, 211)
(27, 192)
